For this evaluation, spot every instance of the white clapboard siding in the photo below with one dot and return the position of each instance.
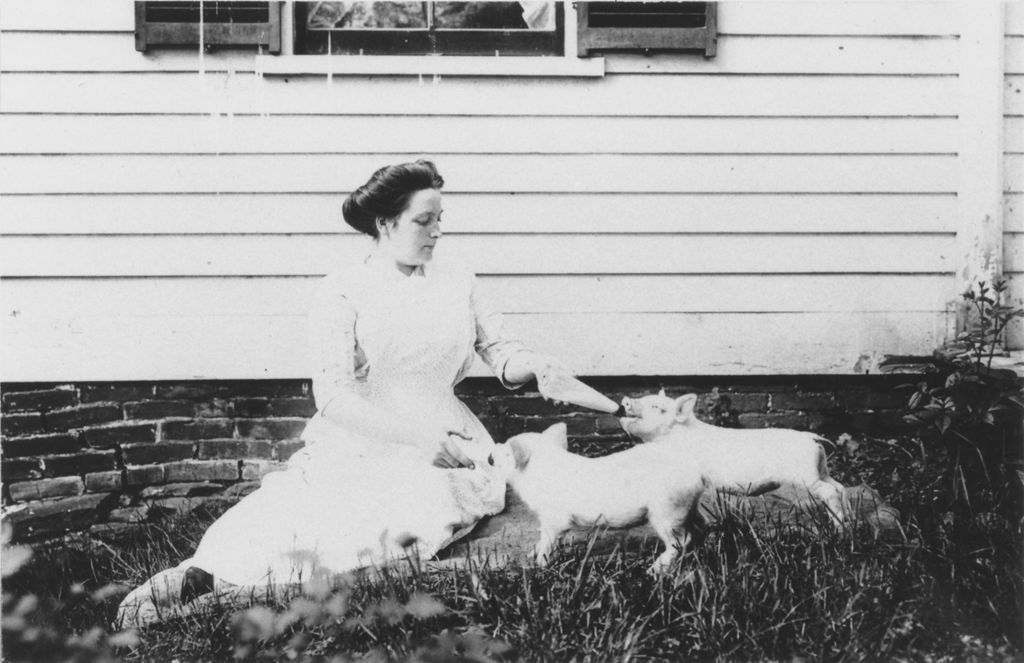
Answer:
(1013, 97)
(629, 95)
(251, 346)
(87, 214)
(1014, 19)
(1013, 58)
(734, 18)
(485, 173)
(102, 51)
(294, 134)
(1013, 173)
(1013, 252)
(1013, 212)
(1014, 134)
(143, 255)
(786, 207)
(530, 293)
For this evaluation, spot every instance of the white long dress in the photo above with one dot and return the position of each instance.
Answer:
(349, 500)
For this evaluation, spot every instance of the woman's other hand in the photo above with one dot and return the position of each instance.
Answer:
(451, 453)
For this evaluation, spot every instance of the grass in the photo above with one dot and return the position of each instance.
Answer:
(951, 593)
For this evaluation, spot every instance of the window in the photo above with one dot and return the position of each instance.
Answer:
(647, 27)
(435, 28)
(208, 24)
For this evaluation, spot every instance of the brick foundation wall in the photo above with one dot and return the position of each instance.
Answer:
(103, 456)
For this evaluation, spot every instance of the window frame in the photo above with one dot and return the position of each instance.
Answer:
(472, 42)
(186, 34)
(623, 39)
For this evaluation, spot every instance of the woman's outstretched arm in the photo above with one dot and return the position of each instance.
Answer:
(511, 360)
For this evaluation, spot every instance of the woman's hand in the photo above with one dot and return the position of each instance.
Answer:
(451, 453)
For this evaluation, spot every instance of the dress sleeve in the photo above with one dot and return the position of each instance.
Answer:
(333, 348)
(493, 344)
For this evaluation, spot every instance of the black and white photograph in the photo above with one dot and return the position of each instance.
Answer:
(500, 332)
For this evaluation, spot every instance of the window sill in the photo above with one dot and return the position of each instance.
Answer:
(429, 65)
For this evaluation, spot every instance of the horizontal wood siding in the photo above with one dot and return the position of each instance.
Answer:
(787, 207)
(1013, 130)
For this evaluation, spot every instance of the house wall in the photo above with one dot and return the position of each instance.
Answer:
(788, 207)
(1013, 137)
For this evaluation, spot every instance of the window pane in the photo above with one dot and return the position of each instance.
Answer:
(366, 15)
(494, 15)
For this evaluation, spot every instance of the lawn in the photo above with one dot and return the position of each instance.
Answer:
(951, 592)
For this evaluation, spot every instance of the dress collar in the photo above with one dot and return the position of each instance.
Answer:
(384, 266)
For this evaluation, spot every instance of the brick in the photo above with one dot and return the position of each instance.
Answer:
(536, 406)
(17, 470)
(271, 429)
(129, 514)
(104, 482)
(112, 532)
(118, 393)
(235, 449)
(251, 407)
(39, 401)
(738, 401)
(117, 434)
(161, 452)
(608, 424)
(239, 490)
(84, 415)
(594, 447)
(292, 407)
(39, 445)
(90, 461)
(202, 470)
(21, 424)
(215, 408)
(144, 475)
(774, 420)
(202, 429)
(481, 407)
(44, 488)
(576, 425)
(180, 490)
(158, 409)
(285, 449)
(170, 506)
(239, 388)
(803, 401)
(257, 469)
(52, 517)
(873, 400)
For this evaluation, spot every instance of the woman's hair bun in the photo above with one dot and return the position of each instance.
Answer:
(386, 194)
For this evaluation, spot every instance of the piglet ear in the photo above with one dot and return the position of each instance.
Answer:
(520, 453)
(684, 406)
(661, 392)
(559, 434)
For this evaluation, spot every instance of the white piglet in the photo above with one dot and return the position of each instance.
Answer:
(745, 460)
(647, 483)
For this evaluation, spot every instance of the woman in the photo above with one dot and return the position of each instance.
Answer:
(393, 460)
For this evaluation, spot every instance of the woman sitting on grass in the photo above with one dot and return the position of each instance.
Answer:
(392, 335)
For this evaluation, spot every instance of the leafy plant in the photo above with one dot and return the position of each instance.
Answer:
(971, 411)
(971, 393)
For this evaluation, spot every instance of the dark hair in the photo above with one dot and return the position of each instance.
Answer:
(387, 193)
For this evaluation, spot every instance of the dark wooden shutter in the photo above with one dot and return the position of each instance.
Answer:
(647, 26)
(223, 23)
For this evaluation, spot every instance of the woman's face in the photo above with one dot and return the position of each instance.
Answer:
(410, 238)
